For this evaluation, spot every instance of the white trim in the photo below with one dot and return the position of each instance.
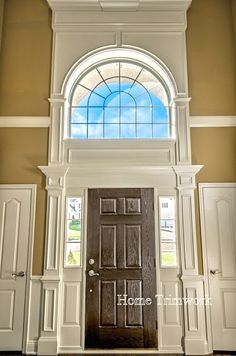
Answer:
(24, 121)
(33, 189)
(204, 254)
(79, 350)
(212, 121)
(119, 5)
(44, 121)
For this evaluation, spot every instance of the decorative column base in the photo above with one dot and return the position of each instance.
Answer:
(195, 342)
(47, 346)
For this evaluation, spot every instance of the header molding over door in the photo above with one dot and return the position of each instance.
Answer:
(119, 5)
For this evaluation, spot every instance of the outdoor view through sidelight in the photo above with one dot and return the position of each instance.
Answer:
(120, 100)
(167, 231)
(73, 232)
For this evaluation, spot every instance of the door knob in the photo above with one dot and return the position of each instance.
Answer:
(92, 273)
(214, 271)
(18, 274)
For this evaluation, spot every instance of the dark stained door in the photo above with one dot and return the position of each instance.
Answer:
(121, 241)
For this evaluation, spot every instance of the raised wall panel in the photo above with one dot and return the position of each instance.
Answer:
(107, 302)
(226, 238)
(171, 313)
(53, 231)
(229, 308)
(188, 233)
(34, 310)
(9, 238)
(7, 298)
(192, 311)
(108, 246)
(133, 248)
(113, 157)
(134, 313)
(56, 132)
(183, 134)
(49, 310)
(71, 302)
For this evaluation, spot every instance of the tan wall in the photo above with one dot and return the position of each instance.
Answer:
(21, 151)
(211, 58)
(24, 89)
(215, 148)
(25, 58)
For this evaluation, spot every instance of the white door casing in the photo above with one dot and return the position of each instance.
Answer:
(218, 210)
(17, 208)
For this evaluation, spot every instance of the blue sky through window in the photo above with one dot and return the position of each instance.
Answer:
(119, 108)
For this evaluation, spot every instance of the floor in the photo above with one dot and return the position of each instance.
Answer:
(5, 353)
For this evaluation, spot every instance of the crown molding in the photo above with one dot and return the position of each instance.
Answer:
(119, 5)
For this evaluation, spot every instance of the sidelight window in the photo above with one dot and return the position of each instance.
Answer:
(73, 232)
(167, 224)
(120, 100)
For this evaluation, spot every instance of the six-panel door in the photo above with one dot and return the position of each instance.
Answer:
(120, 269)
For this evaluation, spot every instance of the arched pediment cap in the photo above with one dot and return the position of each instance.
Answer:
(135, 55)
(120, 5)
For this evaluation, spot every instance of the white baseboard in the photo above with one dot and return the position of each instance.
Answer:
(31, 347)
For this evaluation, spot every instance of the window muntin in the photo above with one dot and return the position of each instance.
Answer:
(119, 100)
(73, 232)
(167, 222)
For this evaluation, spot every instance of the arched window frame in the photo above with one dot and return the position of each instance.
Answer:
(131, 55)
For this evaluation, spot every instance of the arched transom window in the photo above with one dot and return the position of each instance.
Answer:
(119, 100)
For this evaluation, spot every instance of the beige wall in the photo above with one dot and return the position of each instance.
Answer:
(25, 58)
(211, 58)
(211, 55)
(25, 81)
(21, 151)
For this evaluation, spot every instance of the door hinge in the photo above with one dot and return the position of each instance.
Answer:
(154, 262)
(156, 325)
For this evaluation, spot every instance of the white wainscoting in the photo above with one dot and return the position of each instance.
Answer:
(34, 315)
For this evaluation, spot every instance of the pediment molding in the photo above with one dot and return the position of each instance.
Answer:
(119, 5)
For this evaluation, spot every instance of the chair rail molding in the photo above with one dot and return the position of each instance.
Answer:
(45, 121)
(24, 121)
(212, 121)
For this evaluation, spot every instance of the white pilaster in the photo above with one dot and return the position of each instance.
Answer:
(48, 341)
(183, 130)
(195, 342)
(56, 129)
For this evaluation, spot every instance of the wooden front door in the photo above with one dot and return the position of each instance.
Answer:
(120, 271)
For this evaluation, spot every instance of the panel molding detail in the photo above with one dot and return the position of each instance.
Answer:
(71, 309)
(11, 213)
(49, 310)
